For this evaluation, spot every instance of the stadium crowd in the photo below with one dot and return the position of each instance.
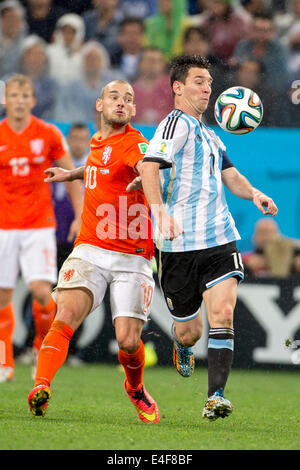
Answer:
(71, 48)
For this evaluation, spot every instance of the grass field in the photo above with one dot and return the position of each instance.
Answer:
(89, 410)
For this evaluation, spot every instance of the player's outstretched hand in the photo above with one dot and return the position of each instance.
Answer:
(74, 229)
(56, 174)
(265, 204)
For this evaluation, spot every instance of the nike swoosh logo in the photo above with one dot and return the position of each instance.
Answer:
(136, 367)
(150, 417)
(51, 347)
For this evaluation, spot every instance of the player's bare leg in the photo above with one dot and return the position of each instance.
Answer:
(43, 311)
(73, 305)
(7, 322)
(132, 357)
(220, 302)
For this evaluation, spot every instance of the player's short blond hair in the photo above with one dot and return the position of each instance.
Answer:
(124, 82)
(21, 80)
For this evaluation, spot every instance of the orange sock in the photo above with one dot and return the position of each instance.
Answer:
(7, 324)
(43, 316)
(53, 352)
(134, 367)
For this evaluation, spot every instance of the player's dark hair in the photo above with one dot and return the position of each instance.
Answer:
(260, 64)
(194, 29)
(263, 15)
(132, 20)
(78, 126)
(180, 66)
(151, 49)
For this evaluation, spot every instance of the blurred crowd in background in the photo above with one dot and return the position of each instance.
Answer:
(71, 48)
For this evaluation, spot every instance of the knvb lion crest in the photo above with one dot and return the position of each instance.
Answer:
(69, 274)
(106, 154)
(37, 146)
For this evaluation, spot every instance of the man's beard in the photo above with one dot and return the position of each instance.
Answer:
(115, 121)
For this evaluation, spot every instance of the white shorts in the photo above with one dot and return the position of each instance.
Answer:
(128, 276)
(30, 252)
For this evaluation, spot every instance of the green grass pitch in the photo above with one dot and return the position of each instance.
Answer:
(90, 411)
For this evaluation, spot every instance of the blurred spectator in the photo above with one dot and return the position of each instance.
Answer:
(74, 6)
(265, 47)
(225, 26)
(195, 42)
(273, 254)
(253, 7)
(279, 5)
(64, 52)
(78, 140)
(153, 96)
(34, 64)
(250, 74)
(289, 110)
(284, 18)
(196, 6)
(293, 40)
(127, 54)
(164, 30)
(76, 99)
(12, 33)
(42, 16)
(102, 23)
(138, 8)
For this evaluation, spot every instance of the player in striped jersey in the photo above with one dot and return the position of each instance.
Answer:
(195, 234)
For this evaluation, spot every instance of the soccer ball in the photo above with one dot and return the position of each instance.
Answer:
(238, 110)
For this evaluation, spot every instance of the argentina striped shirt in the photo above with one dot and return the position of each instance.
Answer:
(192, 158)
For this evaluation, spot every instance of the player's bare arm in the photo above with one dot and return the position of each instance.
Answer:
(60, 175)
(136, 183)
(238, 185)
(168, 226)
(74, 189)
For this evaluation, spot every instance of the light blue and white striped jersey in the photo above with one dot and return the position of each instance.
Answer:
(191, 158)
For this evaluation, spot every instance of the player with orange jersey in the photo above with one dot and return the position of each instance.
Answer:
(114, 248)
(27, 222)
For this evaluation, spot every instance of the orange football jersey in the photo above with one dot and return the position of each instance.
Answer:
(113, 218)
(26, 200)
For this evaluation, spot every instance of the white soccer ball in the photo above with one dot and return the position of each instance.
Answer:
(238, 110)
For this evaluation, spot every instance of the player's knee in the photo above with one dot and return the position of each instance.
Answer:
(190, 337)
(227, 315)
(69, 315)
(41, 292)
(223, 315)
(128, 344)
(6, 296)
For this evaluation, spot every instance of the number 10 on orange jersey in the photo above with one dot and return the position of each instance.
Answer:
(148, 293)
